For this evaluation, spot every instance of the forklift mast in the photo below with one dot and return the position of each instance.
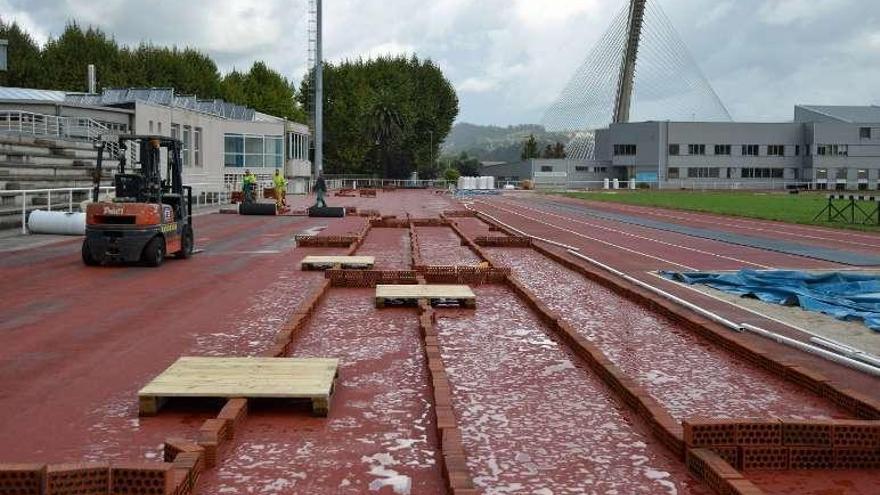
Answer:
(146, 185)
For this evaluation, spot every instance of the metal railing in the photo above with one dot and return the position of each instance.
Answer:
(204, 194)
(74, 128)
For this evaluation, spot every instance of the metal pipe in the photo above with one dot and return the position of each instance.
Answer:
(797, 344)
(850, 352)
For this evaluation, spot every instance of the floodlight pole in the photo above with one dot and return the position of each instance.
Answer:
(319, 96)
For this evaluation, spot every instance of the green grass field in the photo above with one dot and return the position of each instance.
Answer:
(794, 208)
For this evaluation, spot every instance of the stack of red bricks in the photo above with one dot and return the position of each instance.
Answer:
(455, 470)
(325, 241)
(789, 444)
(369, 278)
(415, 248)
(471, 275)
(429, 222)
(161, 478)
(720, 476)
(345, 192)
(458, 214)
(368, 213)
(389, 222)
(503, 241)
(368, 193)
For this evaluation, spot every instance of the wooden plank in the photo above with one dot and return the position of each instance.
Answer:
(249, 377)
(435, 291)
(313, 262)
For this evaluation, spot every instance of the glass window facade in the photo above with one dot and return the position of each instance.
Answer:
(241, 150)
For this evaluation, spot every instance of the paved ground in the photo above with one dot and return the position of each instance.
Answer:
(76, 343)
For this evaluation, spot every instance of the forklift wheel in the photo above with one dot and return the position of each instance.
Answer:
(154, 252)
(186, 244)
(87, 257)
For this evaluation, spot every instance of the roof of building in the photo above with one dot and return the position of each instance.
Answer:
(850, 114)
(115, 97)
(7, 93)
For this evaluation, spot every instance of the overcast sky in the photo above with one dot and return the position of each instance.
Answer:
(509, 59)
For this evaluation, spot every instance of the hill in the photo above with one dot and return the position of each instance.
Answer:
(496, 143)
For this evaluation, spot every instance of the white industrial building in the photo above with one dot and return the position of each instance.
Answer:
(823, 147)
(220, 139)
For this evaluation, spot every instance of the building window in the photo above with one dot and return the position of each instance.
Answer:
(673, 149)
(197, 147)
(822, 173)
(546, 168)
(672, 172)
(187, 145)
(776, 150)
(233, 150)
(703, 173)
(175, 131)
(865, 132)
(722, 149)
(159, 130)
(274, 151)
(601, 170)
(696, 149)
(832, 150)
(750, 150)
(841, 174)
(581, 168)
(797, 150)
(862, 174)
(762, 173)
(624, 149)
(151, 127)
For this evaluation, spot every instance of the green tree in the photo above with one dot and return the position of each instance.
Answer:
(264, 90)
(559, 150)
(65, 59)
(529, 148)
(467, 165)
(451, 175)
(23, 63)
(407, 96)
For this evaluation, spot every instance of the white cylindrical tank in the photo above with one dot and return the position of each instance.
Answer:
(632, 183)
(491, 182)
(461, 181)
(616, 183)
(606, 184)
(56, 222)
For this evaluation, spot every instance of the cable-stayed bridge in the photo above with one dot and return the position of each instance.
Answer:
(640, 69)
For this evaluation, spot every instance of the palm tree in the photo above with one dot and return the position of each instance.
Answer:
(386, 127)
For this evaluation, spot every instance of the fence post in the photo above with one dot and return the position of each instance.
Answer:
(70, 201)
(49, 200)
(24, 212)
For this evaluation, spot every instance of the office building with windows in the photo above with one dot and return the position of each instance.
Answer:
(823, 147)
(220, 139)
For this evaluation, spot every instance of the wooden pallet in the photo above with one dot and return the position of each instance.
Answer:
(249, 377)
(434, 293)
(326, 262)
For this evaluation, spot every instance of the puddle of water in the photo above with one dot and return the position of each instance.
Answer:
(689, 376)
(532, 420)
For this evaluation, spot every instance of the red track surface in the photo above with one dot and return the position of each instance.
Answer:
(864, 242)
(639, 250)
(377, 433)
(76, 343)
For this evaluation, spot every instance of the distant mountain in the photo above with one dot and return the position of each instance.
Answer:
(495, 143)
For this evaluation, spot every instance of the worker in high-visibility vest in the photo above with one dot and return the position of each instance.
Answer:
(280, 189)
(249, 186)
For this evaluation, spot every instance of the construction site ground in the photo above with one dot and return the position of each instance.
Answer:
(566, 378)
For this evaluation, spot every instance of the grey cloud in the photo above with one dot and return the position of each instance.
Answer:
(511, 57)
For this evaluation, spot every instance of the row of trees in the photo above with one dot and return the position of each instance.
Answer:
(530, 149)
(385, 116)
(61, 65)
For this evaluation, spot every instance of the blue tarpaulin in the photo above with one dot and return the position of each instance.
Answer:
(845, 296)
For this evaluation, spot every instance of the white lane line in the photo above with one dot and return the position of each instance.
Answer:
(629, 234)
(617, 246)
(741, 223)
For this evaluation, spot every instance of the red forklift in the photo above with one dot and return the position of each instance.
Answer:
(150, 217)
